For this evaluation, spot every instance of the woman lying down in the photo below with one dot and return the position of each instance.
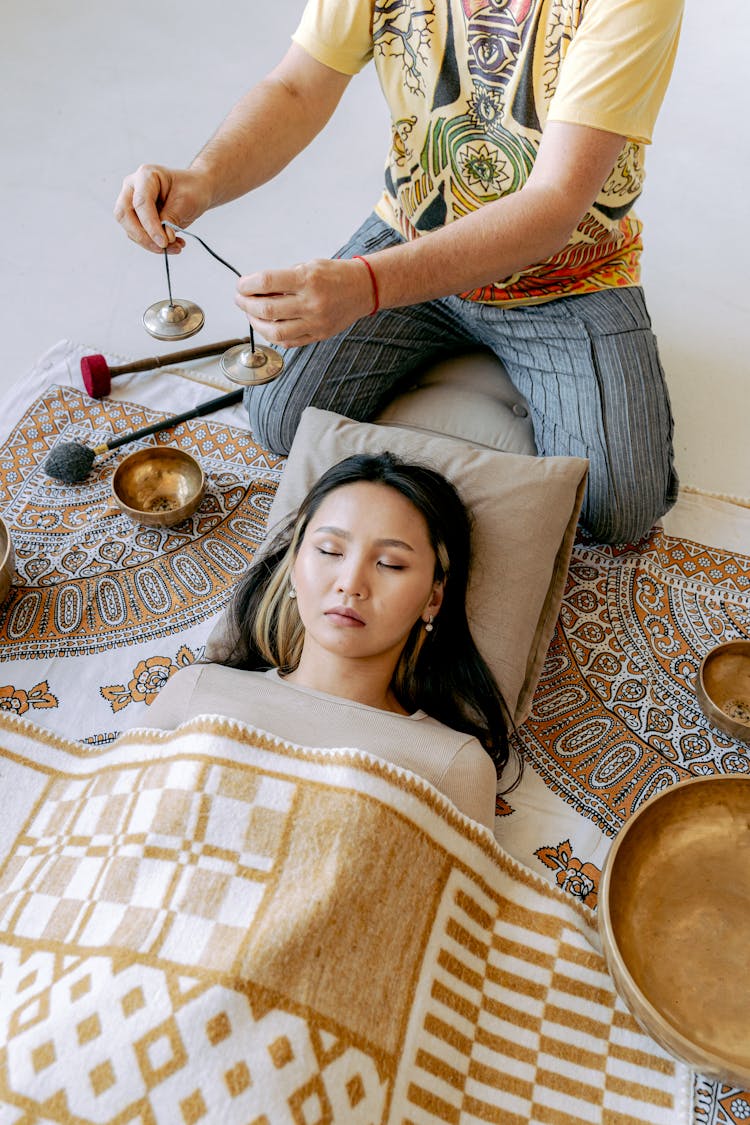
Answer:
(351, 630)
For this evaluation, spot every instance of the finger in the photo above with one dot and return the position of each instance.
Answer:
(297, 341)
(291, 339)
(127, 217)
(268, 282)
(149, 190)
(270, 307)
(175, 242)
(277, 330)
(284, 332)
(175, 246)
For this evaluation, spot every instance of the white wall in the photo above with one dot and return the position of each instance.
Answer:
(697, 238)
(90, 89)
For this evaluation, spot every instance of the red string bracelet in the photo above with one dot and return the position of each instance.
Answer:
(373, 279)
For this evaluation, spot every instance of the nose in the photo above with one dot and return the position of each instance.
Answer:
(352, 580)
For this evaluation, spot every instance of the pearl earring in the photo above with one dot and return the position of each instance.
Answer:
(292, 592)
(428, 625)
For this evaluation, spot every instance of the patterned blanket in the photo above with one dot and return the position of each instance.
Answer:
(102, 612)
(212, 925)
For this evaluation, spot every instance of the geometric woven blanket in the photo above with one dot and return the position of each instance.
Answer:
(211, 925)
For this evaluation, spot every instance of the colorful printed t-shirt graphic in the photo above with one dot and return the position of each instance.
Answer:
(471, 85)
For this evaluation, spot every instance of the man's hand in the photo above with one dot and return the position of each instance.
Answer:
(307, 302)
(263, 132)
(153, 195)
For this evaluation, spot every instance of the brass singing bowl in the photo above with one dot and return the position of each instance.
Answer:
(674, 918)
(723, 688)
(7, 561)
(159, 486)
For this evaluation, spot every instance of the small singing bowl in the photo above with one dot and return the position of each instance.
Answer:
(723, 688)
(674, 908)
(159, 486)
(7, 561)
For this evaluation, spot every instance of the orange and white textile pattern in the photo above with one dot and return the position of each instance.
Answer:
(211, 925)
(102, 610)
(615, 717)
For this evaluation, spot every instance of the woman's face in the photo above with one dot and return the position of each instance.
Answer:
(365, 572)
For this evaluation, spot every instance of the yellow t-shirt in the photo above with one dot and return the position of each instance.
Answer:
(471, 84)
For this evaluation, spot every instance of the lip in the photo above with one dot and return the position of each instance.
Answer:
(344, 616)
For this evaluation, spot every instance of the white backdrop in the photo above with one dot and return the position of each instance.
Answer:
(697, 239)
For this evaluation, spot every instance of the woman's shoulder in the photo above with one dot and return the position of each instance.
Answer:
(449, 734)
(207, 670)
(201, 686)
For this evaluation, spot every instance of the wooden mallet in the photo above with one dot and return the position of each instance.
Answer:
(98, 375)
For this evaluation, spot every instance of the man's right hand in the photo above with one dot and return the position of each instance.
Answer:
(153, 195)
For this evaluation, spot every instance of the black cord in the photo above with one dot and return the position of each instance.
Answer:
(169, 279)
(179, 230)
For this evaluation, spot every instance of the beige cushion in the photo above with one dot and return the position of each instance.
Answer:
(525, 514)
(469, 396)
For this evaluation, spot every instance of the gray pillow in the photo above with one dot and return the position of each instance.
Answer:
(525, 512)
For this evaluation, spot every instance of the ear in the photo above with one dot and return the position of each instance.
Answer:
(436, 599)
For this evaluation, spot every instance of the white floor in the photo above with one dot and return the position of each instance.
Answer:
(90, 90)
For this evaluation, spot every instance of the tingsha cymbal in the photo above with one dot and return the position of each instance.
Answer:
(251, 366)
(173, 320)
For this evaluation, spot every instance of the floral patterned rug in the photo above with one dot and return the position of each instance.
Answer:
(615, 717)
(103, 611)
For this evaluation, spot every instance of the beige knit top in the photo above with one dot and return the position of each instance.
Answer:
(455, 763)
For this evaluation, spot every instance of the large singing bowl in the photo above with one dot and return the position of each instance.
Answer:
(674, 918)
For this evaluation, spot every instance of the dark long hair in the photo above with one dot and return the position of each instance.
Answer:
(442, 672)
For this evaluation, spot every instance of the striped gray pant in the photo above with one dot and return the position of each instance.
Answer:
(588, 366)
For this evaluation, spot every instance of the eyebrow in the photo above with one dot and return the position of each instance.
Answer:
(331, 530)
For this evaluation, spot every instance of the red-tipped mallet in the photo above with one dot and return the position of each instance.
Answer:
(98, 375)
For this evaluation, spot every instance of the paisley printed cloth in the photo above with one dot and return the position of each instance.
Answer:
(102, 612)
